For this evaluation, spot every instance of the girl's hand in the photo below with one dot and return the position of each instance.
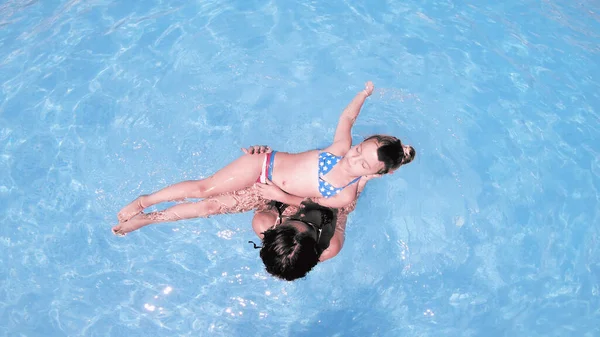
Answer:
(257, 149)
(270, 191)
(371, 176)
(369, 88)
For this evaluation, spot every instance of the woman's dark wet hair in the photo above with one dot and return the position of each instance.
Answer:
(288, 253)
(392, 153)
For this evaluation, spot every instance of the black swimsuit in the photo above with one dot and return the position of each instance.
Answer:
(327, 226)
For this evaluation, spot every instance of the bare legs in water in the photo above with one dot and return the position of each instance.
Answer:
(201, 209)
(131, 217)
(239, 174)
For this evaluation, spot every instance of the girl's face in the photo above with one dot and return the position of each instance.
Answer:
(363, 160)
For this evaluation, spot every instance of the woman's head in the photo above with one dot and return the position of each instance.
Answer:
(379, 154)
(287, 252)
(290, 250)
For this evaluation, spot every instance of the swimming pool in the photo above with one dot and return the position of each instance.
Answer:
(493, 231)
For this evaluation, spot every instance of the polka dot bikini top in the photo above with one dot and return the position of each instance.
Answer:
(326, 162)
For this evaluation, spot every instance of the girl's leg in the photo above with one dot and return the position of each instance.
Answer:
(201, 209)
(239, 174)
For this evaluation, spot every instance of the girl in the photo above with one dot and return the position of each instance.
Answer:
(329, 175)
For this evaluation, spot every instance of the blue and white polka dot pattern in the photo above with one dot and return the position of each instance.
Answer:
(326, 162)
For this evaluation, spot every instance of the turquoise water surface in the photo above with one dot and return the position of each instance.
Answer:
(492, 231)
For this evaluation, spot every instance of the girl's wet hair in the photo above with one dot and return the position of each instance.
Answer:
(288, 253)
(392, 153)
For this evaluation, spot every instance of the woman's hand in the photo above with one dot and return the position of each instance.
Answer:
(257, 149)
(270, 191)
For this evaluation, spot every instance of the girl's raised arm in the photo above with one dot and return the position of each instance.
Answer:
(342, 140)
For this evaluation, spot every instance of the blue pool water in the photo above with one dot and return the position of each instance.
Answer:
(492, 231)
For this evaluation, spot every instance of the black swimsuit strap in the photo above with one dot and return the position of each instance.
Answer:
(280, 208)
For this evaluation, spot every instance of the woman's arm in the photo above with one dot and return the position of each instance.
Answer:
(342, 141)
(337, 241)
(271, 191)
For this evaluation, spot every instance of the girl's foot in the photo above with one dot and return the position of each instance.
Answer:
(131, 210)
(140, 220)
(135, 223)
